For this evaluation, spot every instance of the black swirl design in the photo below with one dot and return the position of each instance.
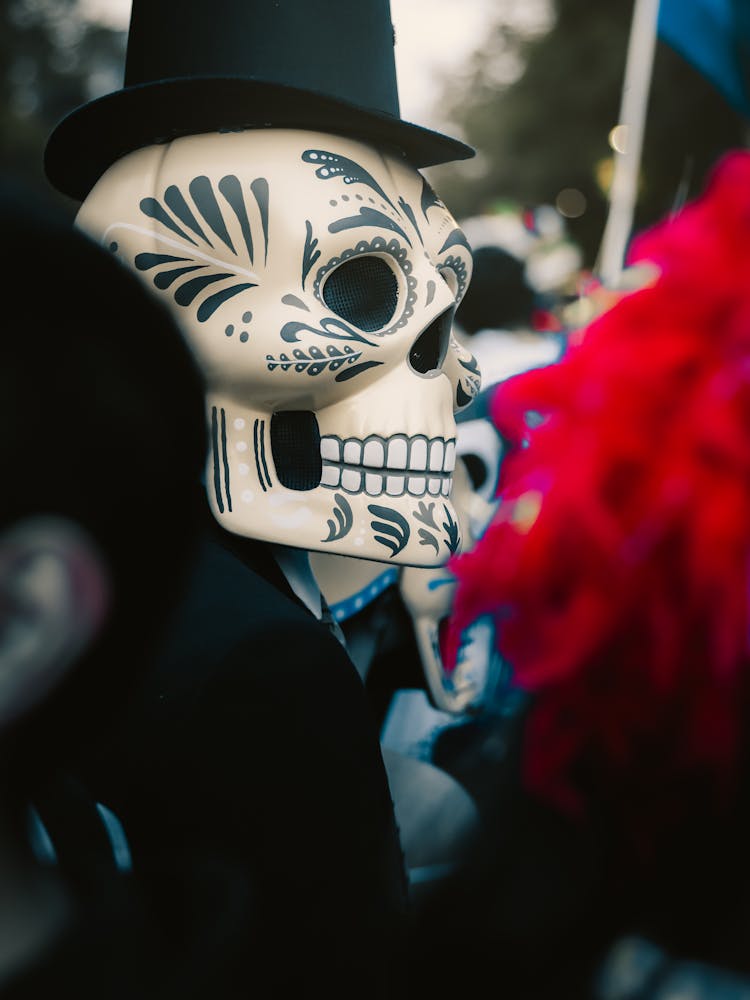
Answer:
(453, 539)
(455, 238)
(409, 213)
(472, 380)
(428, 199)
(331, 327)
(369, 217)
(341, 523)
(193, 272)
(394, 528)
(331, 165)
(426, 514)
(314, 361)
(310, 254)
(427, 538)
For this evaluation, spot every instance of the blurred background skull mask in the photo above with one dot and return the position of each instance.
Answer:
(315, 279)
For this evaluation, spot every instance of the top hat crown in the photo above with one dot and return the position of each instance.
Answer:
(218, 65)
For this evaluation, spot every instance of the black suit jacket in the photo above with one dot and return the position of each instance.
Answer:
(253, 742)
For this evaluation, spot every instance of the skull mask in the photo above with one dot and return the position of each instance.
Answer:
(315, 280)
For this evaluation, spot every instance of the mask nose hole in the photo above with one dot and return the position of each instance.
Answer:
(429, 349)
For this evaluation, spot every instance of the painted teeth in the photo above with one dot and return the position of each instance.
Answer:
(331, 475)
(437, 455)
(353, 452)
(373, 484)
(397, 454)
(351, 481)
(373, 456)
(330, 449)
(392, 466)
(419, 454)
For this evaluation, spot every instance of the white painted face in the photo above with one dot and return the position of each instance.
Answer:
(315, 279)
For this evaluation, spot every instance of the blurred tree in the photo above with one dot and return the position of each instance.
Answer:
(52, 58)
(538, 101)
(547, 131)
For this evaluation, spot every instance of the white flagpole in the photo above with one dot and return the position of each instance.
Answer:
(634, 105)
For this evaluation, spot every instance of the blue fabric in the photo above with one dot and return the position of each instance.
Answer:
(353, 604)
(714, 36)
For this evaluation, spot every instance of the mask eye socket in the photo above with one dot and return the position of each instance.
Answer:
(363, 291)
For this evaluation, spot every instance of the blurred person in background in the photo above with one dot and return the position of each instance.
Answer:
(93, 558)
(507, 324)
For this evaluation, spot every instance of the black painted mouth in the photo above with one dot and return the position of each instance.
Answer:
(295, 446)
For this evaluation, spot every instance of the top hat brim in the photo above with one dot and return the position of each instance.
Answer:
(91, 138)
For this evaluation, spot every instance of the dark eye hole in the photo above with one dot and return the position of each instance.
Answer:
(477, 469)
(363, 291)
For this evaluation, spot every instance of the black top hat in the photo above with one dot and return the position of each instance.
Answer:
(212, 65)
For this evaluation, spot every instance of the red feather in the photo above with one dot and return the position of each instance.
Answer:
(616, 567)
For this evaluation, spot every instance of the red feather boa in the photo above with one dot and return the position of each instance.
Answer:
(616, 567)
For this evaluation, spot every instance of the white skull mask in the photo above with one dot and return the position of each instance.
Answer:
(315, 280)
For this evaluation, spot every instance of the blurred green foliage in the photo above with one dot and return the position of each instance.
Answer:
(548, 130)
(51, 60)
(545, 131)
